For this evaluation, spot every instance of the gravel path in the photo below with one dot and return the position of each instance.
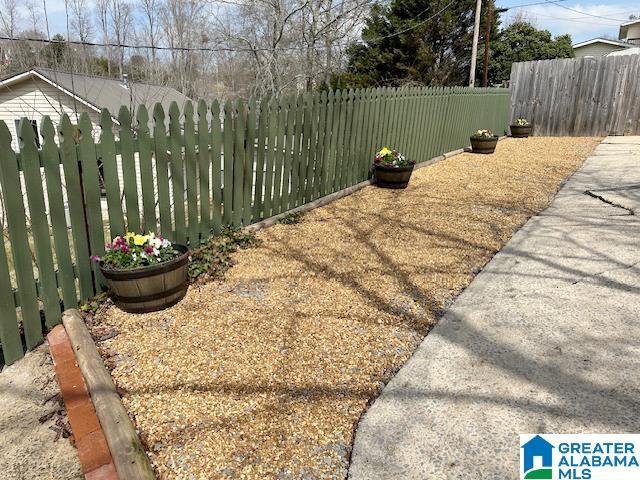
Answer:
(29, 447)
(545, 340)
(266, 374)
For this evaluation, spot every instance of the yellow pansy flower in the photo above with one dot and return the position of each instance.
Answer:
(139, 240)
(384, 151)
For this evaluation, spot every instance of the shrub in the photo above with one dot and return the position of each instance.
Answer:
(521, 122)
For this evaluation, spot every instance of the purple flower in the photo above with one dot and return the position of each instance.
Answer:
(148, 249)
(95, 258)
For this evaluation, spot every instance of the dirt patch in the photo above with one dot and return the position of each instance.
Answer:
(266, 374)
(33, 423)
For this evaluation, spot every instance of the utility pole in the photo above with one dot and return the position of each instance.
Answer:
(487, 34)
(474, 48)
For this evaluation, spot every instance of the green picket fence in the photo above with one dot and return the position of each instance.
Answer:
(187, 174)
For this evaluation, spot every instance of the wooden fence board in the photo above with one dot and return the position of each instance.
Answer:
(216, 167)
(92, 196)
(149, 223)
(51, 161)
(39, 223)
(76, 208)
(204, 164)
(177, 174)
(16, 223)
(129, 170)
(161, 152)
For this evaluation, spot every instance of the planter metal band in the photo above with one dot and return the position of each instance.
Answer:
(150, 298)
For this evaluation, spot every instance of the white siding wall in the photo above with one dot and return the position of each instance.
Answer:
(633, 34)
(596, 50)
(34, 98)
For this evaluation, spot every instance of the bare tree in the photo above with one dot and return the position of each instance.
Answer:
(150, 29)
(121, 16)
(102, 10)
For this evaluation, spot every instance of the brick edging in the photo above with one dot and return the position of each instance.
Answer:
(91, 443)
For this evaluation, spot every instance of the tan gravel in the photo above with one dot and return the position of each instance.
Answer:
(265, 375)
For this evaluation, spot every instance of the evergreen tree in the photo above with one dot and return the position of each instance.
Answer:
(402, 44)
(522, 42)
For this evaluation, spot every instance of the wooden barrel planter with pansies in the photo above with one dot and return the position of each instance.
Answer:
(483, 141)
(391, 169)
(160, 282)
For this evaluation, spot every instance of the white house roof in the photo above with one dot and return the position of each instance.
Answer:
(101, 92)
(626, 51)
(624, 28)
(606, 41)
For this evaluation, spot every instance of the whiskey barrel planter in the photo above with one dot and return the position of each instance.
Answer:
(521, 131)
(393, 177)
(484, 145)
(150, 288)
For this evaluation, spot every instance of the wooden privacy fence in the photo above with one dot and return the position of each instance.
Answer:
(189, 175)
(586, 96)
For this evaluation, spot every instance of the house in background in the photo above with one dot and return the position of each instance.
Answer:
(630, 32)
(599, 47)
(628, 37)
(40, 91)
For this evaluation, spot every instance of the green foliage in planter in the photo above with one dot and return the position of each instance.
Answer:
(212, 259)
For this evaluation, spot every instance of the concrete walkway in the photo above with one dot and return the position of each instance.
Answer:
(545, 340)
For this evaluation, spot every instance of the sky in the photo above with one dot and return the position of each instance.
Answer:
(581, 19)
(584, 24)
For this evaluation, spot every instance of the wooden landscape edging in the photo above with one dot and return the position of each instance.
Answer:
(268, 222)
(128, 455)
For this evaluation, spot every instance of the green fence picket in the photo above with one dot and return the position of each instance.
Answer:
(76, 209)
(249, 163)
(129, 176)
(110, 175)
(204, 164)
(238, 163)
(191, 173)
(272, 129)
(9, 333)
(51, 162)
(320, 141)
(177, 174)
(17, 225)
(91, 189)
(39, 222)
(227, 153)
(305, 174)
(146, 170)
(281, 147)
(261, 145)
(216, 168)
(161, 153)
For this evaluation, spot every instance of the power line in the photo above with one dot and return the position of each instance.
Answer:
(531, 4)
(583, 13)
(217, 49)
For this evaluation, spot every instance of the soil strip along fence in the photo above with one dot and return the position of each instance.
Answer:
(578, 97)
(233, 164)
